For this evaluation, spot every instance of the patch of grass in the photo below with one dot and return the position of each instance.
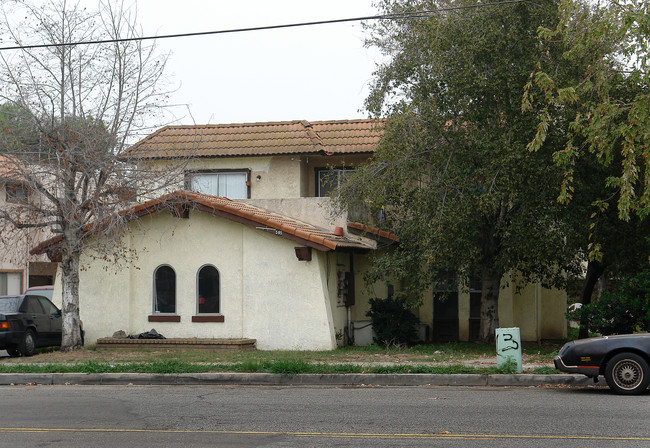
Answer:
(370, 359)
(250, 366)
(278, 367)
(289, 367)
(448, 370)
(454, 348)
(545, 371)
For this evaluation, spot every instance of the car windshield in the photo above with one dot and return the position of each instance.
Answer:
(40, 292)
(9, 304)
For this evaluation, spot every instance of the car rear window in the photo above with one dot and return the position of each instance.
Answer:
(9, 304)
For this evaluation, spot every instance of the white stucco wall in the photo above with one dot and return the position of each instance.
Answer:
(266, 292)
(285, 305)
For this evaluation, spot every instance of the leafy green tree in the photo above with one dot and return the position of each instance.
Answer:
(452, 173)
(610, 101)
(623, 310)
(611, 248)
(600, 116)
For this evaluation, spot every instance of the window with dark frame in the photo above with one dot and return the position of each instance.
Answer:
(18, 193)
(328, 180)
(227, 184)
(165, 290)
(10, 283)
(208, 290)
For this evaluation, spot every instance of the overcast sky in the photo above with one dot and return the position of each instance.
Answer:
(308, 73)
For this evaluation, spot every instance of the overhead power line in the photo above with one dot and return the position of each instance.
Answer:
(405, 15)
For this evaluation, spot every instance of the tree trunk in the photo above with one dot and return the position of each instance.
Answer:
(71, 338)
(491, 284)
(490, 277)
(595, 270)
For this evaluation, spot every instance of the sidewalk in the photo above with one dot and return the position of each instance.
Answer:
(267, 379)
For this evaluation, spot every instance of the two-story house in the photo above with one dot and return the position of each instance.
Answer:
(247, 247)
(18, 269)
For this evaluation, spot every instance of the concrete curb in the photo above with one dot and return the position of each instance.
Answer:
(266, 379)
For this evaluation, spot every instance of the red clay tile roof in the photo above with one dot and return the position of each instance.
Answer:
(263, 220)
(260, 139)
(365, 229)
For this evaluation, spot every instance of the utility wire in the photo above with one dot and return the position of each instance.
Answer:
(405, 15)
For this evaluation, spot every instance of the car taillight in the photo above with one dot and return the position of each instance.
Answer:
(5, 325)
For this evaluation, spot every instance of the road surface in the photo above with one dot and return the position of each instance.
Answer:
(232, 416)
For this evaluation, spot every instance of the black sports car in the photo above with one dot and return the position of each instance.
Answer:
(28, 322)
(623, 359)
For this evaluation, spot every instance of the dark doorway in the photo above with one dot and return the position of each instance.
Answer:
(445, 317)
(475, 308)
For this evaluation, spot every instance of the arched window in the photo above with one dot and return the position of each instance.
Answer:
(164, 290)
(208, 290)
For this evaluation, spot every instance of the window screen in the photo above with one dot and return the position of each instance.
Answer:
(231, 185)
(9, 283)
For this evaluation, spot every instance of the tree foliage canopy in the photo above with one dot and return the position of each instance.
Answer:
(622, 310)
(609, 102)
(452, 173)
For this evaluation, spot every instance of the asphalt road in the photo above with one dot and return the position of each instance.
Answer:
(225, 416)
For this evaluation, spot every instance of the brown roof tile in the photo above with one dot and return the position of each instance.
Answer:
(260, 139)
(246, 214)
(369, 230)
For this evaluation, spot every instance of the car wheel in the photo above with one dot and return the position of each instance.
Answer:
(28, 345)
(13, 352)
(627, 374)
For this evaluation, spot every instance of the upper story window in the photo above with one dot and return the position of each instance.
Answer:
(17, 193)
(165, 290)
(328, 180)
(228, 184)
(10, 283)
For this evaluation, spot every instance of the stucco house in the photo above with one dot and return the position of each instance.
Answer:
(18, 269)
(247, 247)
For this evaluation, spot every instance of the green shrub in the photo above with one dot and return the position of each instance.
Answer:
(508, 366)
(624, 310)
(392, 322)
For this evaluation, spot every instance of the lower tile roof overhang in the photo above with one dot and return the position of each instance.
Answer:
(381, 236)
(180, 202)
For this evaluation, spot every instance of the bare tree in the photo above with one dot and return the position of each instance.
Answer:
(69, 110)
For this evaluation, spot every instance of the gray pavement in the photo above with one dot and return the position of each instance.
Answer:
(267, 379)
